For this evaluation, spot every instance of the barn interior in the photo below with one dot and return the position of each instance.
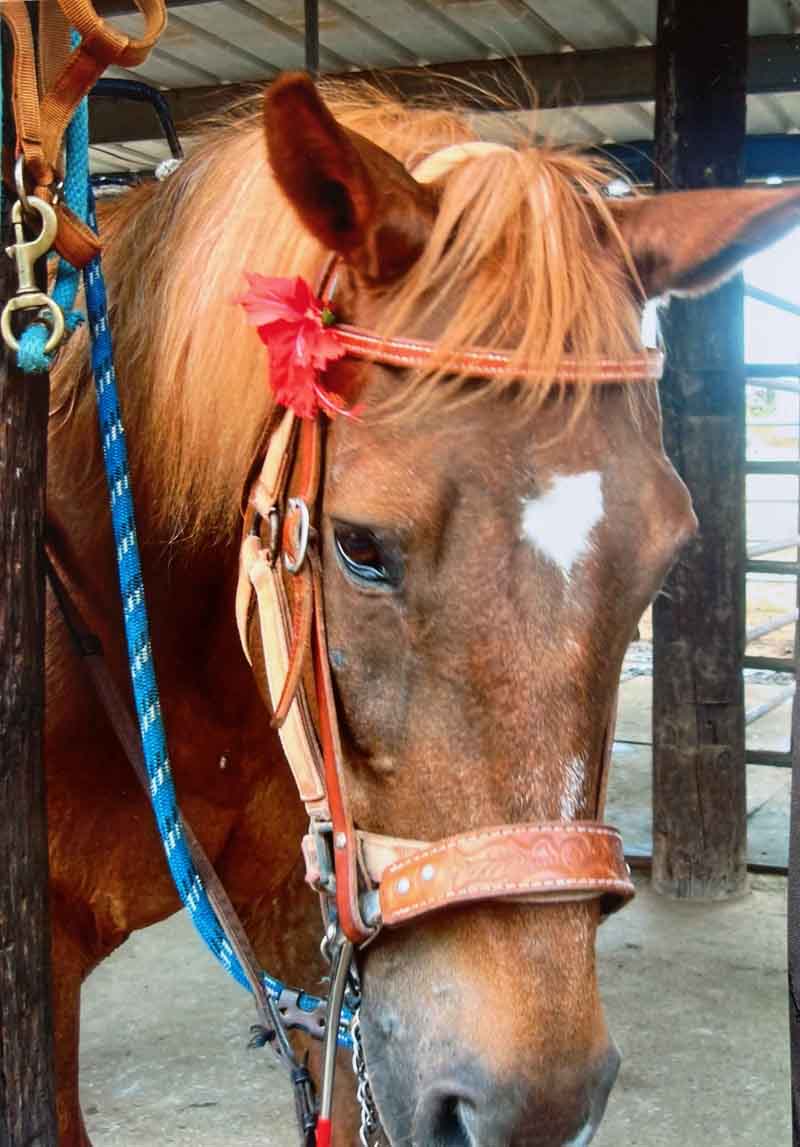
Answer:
(680, 95)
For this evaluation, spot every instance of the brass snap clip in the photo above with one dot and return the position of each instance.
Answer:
(28, 296)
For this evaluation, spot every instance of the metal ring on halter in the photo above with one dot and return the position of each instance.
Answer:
(50, 315)
(22, 192)
(19, 181)
(294, 561)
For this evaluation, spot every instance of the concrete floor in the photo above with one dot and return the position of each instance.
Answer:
(695, 995)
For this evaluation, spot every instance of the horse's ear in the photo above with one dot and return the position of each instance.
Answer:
(689, 241)
(353, 196)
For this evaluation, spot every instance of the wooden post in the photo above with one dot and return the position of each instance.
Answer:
(793, 909)
(27, 1090)
(311, 10)
(699, 800)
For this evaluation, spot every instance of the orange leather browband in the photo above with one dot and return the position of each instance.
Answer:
(481, 362)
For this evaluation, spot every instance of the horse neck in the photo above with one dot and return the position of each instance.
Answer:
(189, 582)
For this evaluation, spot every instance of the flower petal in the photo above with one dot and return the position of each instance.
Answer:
(289, 320)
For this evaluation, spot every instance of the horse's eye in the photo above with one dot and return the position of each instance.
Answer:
(365, 558)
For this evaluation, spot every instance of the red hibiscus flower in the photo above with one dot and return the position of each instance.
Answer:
(295, 328)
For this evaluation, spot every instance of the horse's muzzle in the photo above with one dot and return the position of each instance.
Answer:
(465, 1108)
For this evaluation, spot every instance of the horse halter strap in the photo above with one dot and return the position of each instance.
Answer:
(376, 881)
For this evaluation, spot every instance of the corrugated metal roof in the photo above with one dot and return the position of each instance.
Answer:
(217, 42)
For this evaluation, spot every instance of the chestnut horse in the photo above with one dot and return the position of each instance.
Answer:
(487, 550)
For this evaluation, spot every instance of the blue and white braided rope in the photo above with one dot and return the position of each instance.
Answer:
(137, 633)
(187, 880)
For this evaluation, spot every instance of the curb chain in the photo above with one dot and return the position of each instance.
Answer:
(369, 1115)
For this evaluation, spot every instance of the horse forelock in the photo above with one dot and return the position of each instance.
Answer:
(516, 253)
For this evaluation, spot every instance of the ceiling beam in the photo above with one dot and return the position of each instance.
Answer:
(765, 157)
(577, 79)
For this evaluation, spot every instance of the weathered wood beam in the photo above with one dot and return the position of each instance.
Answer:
(27, 1090)
(793, 904)
(588, 78)
(699, 806)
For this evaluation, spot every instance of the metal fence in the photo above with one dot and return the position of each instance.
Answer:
(784, 378)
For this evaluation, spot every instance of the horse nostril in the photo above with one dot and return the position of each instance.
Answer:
(450, 1128)
(447, 1122)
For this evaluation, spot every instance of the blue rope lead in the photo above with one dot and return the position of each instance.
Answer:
(140, 654)
(137, 633)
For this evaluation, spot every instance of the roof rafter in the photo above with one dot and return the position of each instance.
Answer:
(571, 79)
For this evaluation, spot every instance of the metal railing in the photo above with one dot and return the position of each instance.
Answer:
(783, 377)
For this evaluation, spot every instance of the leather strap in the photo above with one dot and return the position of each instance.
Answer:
(537, 863)
(297, 732)
(345, 842)
(481, 362)
(90, 649)
(260, 571)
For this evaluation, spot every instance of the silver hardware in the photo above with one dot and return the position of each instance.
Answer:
(295, 564)
(428, 872)
(28, 296)
(55, 188)
(19, 181)
(294, 1016)
(403, 885)
(321, 832)
(339, 978)
(340, 840)
(369, 1114)
(370, 906)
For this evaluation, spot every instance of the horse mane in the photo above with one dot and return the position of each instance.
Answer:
(524, 252)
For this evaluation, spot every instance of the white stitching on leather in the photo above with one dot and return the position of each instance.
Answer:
(486, 890)
(406, 352)
(509, 830)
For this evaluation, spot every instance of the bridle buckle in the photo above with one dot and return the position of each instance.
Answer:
(296, 534)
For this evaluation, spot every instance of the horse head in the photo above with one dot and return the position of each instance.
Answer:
(487, 549)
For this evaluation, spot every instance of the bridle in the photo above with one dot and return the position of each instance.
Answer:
(367, 881)
(373, 881)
